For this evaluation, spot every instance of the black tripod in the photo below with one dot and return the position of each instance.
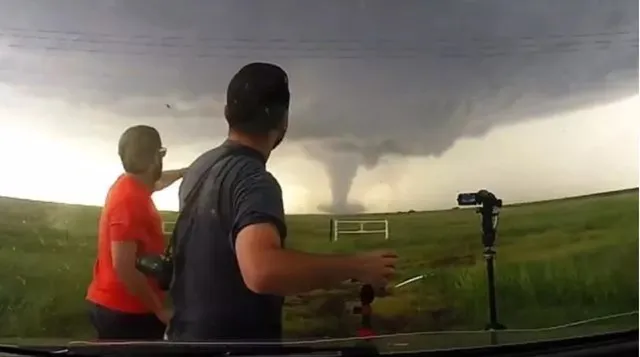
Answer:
(367, 295)
(490, 212)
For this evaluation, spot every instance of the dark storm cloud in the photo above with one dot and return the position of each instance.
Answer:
(369, 78)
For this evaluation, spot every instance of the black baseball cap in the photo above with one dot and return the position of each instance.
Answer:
(257, 96)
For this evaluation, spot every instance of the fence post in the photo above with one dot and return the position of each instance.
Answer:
(330, 229)
(386, 229)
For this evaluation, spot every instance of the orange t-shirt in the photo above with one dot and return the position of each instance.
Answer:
(128, 215)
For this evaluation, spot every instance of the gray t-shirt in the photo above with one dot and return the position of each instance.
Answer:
(210, 298)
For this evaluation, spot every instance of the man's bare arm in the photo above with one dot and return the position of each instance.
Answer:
(267, 268)
(168, 178)
(123, 257)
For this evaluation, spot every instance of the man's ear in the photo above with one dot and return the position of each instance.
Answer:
(226, 112)
(285, 120)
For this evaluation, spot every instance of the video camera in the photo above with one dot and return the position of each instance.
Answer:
(482, 197)
(490, 211)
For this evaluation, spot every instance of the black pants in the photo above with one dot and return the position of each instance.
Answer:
(116, 325)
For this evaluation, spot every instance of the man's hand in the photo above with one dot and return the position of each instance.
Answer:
(123, 255)
(377, 267)
(165, 315)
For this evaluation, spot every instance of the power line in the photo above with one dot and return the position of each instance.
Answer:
(120, 38)
(324, 49)
(564, 44)
(316, 53)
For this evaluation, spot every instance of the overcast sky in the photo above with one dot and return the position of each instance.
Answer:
(396, 105)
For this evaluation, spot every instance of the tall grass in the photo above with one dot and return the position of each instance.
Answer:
(544, 293)
(557, 262)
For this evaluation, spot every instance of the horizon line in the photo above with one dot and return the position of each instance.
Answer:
(595, 194)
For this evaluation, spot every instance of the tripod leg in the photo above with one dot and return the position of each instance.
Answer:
(493, 313)
(493, 324)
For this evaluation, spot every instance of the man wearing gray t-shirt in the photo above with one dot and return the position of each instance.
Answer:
(231, 268)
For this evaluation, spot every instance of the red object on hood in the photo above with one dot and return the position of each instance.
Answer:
(365, 332)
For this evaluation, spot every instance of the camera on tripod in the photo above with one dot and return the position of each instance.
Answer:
(489, 210)
(481, 197)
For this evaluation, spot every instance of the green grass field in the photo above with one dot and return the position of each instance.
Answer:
(558, 261)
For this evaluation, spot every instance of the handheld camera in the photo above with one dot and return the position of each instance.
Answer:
(159, 267)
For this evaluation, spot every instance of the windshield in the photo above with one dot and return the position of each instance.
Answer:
(474, 163)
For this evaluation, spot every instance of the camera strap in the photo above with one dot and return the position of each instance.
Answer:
(191, 198)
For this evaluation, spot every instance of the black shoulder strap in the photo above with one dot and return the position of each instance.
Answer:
(191, 197)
